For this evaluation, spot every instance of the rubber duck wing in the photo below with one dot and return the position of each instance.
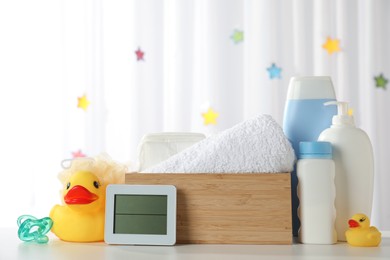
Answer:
(374, 233)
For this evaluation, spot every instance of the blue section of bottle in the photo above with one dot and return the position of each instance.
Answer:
(304, 120)
(315, 150)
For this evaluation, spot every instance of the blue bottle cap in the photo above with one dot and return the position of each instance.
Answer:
(320, 150)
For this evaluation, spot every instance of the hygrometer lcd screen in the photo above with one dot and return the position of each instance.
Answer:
(140, 214)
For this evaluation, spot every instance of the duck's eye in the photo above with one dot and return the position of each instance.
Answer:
(96, 184)
(362, 219)
(68, 185)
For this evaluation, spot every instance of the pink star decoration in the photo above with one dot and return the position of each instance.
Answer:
(140, 54)
(78, 154)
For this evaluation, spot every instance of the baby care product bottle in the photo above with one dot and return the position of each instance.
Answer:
(353, 157)
(305, 117)
(316, 193)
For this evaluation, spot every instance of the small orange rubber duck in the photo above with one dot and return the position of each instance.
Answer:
(360, 233)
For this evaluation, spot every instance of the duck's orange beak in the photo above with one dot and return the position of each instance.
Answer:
(79, 195)
(353, 223)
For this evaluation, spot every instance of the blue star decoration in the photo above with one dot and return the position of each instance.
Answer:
(381, 81)
(274, 71)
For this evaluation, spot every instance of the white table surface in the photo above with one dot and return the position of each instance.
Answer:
(12, 248)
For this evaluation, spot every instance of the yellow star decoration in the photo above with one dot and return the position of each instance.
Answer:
(210, 117)
(83, 102)
(331, 45)
(350, 112)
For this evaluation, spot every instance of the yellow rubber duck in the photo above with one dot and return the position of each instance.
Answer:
(81, 218)
(360, 233)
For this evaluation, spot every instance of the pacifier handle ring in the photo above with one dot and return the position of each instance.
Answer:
(33, 229)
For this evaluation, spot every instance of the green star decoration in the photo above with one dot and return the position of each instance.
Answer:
(381, 81)
(237, 36)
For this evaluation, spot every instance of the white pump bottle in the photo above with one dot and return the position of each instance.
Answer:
(353, 157)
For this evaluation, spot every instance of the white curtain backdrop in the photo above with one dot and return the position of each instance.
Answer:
(190, 58)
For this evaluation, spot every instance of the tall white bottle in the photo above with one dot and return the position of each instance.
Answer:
(353, 157)
(305, 117)
(316, 192)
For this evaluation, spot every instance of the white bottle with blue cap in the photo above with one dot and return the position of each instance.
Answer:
(316, 192)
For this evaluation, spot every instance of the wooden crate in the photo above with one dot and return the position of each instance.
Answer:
(228, 208)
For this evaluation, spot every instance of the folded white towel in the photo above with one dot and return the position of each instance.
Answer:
(257, 145)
